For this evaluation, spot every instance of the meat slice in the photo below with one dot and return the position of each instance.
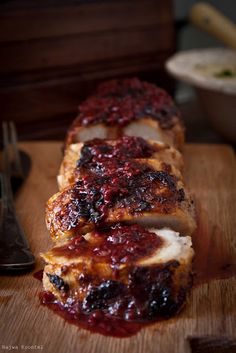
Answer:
(99, 150)
(151, 130)
(128, 107)
(124, 271)
(146, 191)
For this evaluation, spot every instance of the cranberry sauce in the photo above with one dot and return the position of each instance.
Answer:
(96, 322)
(120, 102)
(124, 148)
(125, 186)
(118, 244)
(121, 309)
(38, 275)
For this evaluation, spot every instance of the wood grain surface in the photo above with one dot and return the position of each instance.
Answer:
(211, 176)
(57, 51)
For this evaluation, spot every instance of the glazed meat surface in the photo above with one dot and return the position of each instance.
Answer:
(126, 271)
(100, 150)
(128, 107)
(146, 191)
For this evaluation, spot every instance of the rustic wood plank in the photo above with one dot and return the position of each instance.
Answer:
(208, 170)
(50, 97)
(52, 56)
(78, 49)
(142, 63)
(211, 175)
(53, 128)
(44, 22)
(31, 4)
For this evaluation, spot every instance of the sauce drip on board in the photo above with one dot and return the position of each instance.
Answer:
(38, 275)
(96, 322)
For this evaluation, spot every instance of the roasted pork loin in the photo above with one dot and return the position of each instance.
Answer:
(127, 147)
(125, 271)
(122, 220)
(128, 107)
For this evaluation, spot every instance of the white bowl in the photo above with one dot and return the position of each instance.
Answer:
(213, 74)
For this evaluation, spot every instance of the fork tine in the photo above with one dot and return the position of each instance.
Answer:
(5, 176)
(16, 157)
(6, 160)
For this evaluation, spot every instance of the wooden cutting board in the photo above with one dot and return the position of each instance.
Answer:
(211, 176)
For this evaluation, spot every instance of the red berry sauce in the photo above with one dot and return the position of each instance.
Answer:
(113, 308)
(118, 244)
(119, 102)
(95, 322)
(127, 147)
(128, 186)
(120, 301)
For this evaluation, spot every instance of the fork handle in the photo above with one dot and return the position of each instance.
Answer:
(15, 253)
(6, 191)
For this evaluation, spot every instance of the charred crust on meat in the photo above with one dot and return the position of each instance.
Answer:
(58, 282)
(98, 297)
(116, 183)
(149, 294)
(155, 287)
(181, 195)
(124, 148)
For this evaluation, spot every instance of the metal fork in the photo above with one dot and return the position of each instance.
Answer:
(14, 249)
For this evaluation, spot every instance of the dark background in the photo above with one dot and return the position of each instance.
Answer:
(54, 52)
